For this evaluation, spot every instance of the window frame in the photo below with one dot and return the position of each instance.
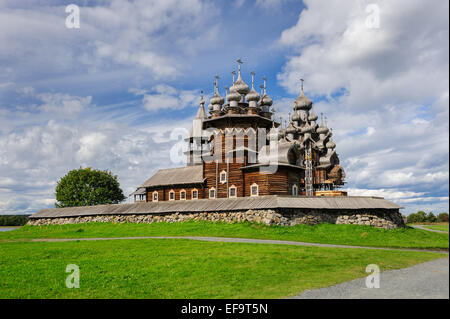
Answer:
(170, 193)
(153, 196)
(192, 193)
(257, 190)
(185, 194)
(235, 191)
(209, 193)
(223, 181)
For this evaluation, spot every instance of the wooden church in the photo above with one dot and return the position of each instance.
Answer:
(239, 150)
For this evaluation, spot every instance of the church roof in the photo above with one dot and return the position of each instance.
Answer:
(176, 176)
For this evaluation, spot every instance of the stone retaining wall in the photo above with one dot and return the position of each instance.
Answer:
(387, 219)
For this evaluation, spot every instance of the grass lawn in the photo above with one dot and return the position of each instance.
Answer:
(443, 227)
(177, 268)
(321, 233)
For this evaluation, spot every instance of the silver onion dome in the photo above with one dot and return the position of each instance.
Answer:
(291, 129)
(266, 100)
(240, 86)
(253, 96)
(296, 117)
(330, 144)
(306, 128)
(313, 116)
(233, 95)
(322, 129)
(302, 102)
(217, 99)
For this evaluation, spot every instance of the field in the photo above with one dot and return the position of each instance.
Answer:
(321, 233)
(179, 268)
(183, 268)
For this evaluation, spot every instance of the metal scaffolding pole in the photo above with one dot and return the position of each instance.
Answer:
(308, 172)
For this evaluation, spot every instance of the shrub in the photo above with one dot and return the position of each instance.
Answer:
(87, 187)
(442, 218)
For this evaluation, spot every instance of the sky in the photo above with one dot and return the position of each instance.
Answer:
(116, 92)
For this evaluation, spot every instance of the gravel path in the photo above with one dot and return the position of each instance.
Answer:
(429, 229)
(429, 280)
(234, 240)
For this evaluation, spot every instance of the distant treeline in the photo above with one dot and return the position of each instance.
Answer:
(13, 220)
(422, 217)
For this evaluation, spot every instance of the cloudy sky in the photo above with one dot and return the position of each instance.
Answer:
(114, 93)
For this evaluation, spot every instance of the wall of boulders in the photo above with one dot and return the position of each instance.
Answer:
(387, 219)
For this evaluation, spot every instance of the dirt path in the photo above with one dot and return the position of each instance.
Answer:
(429, 229)
(428, 280)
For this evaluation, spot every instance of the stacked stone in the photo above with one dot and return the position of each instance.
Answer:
(287, 217)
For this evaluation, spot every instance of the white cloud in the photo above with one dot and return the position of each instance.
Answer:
(63, 103)
(166, 97)
(149, 38)
(384, 91)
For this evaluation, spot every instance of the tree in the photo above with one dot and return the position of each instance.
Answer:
(431, 218)
(442, 218)
(87, 187)
(418, 217)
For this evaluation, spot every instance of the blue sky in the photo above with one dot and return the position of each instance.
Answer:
(110, 94)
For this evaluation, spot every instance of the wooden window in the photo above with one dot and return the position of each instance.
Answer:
(194, 194)
(233, 191)
(223, 177)
(155, 196)
(294, 190)
(172, 195)
(254, 190)
(182, 194)
(212, 192)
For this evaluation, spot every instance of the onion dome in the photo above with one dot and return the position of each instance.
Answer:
(217, 99)
(296, 117)
(306, 128)
(265, 99)
(253, 96)
(312, 116)
(291, 129)
(302, 102)
(322, 130)
(240, 86)
(233, 96)
(330, 144)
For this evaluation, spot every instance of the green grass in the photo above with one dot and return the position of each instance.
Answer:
(321, 233)
(169, 268)
(438, 227)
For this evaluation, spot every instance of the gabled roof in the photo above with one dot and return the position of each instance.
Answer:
(139, 191)
(176, 176)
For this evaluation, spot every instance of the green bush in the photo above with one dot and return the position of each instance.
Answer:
(87, 187)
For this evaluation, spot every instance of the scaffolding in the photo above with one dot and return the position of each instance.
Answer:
(308, 171)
